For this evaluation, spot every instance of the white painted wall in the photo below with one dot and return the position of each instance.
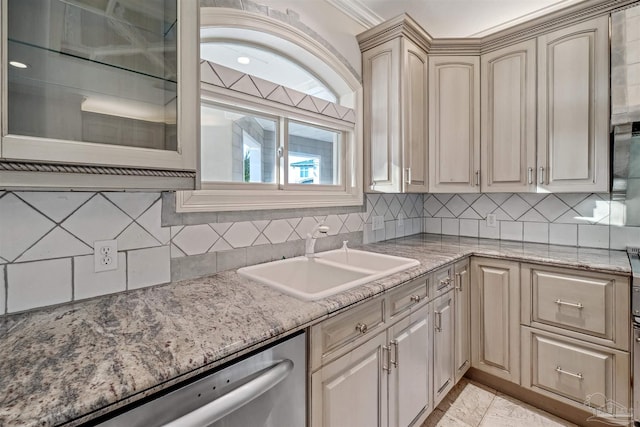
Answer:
(329, 22)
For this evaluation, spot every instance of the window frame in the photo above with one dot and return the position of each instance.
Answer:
(238, 197)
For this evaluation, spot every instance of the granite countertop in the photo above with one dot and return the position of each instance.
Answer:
(76, 361)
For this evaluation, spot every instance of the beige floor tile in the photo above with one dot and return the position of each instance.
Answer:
(506, 411)
(467, 401)
(440, 419)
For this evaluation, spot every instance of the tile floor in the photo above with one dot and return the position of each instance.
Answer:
(470, 404)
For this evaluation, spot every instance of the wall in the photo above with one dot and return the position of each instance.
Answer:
(46, 238)
(585, 220)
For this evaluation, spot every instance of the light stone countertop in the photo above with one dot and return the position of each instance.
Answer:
(76, 361)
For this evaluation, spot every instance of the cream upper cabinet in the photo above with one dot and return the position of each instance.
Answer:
(93, 106)
(508, 131)
(395, 125)
(454, 124)
(573, 108)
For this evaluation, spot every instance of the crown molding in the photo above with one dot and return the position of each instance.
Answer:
(401, 25)
(404, 25)
(358, 11)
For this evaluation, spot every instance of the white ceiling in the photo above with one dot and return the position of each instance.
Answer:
(452, 18)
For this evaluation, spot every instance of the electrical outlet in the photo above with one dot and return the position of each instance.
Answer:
(105, 255)
(400, 223)
(377, 223)
(491, 220)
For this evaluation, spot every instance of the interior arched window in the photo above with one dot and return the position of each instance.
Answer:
(279, 119)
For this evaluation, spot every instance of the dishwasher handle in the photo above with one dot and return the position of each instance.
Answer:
(230, 402)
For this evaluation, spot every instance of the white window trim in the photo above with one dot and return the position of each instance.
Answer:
(221, 200)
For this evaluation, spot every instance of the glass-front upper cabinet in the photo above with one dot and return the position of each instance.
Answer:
(99, 93)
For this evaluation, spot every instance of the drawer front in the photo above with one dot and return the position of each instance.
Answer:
(580, 303)
(442, 281)
(586, 305)
(408, 295)
(351, 325)
(583, 373)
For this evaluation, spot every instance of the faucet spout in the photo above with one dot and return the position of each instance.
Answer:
(310, 243)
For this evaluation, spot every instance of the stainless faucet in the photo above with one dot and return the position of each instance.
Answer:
(310, 244)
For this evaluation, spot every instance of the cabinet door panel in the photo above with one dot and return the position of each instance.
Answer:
(573, 107)
(409, 385)
(415, 135)
(509, 118)
(462, 320)
(381, 71)
(496, 318)
(352, 390)
(443, 347)
(454, 127)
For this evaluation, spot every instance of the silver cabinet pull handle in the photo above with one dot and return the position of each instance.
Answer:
(637, 339)
(415, 298)
(577, 305)
(362, 328)
(407, 175)
(445, 282)
(438, 321)
(477, 178)
(541, 173)
(394, 343)
(387, 367)
(530, 175)
(571, 374)
(373, 185)
(458, 282)
(230, 402)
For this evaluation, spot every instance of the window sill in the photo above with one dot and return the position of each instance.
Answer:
(225, 201)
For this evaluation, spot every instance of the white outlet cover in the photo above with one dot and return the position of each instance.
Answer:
(105, 255)
(491, 220)
(377, 223)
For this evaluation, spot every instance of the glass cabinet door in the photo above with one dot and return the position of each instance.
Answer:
(98, 82)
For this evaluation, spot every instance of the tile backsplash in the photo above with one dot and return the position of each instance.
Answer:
(587, 220)
(46, 238)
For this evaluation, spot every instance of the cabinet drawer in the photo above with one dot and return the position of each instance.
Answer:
(583, 302)
(575, 371)
(442, 281)
(408, 295)
(350, 325)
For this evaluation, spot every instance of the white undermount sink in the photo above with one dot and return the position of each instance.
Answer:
(327, 273)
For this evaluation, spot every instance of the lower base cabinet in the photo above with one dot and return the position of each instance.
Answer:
(576, 372)
(409, 376)
(443, 346)
(351, 391)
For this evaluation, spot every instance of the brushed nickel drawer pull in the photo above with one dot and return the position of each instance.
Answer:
(577, 305)
(541, 176)
(438, 321)
(458, 282)
(394, 343)
(362, 328)
(571, 374)
(637, 339)
(415, 298)
(387, 367)
(530, 175)
(445, 282)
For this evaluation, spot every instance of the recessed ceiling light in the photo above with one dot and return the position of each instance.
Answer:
(243, 60)
(18, 64)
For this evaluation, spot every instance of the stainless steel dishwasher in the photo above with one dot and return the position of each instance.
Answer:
(266, 389)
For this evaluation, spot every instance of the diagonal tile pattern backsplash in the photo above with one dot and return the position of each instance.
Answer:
(47, 238)
(589, 220)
